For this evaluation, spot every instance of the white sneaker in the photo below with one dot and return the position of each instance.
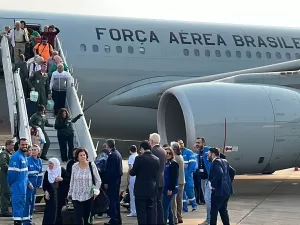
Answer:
(131, 215)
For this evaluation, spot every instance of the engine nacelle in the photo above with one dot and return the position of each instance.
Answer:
(261, 123)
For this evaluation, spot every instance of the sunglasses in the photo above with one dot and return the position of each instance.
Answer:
(169, 153)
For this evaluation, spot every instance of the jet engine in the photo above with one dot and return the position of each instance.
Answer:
(256, 126)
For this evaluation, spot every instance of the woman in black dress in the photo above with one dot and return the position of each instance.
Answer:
(55, 185)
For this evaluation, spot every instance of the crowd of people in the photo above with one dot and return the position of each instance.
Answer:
(45, 78)
(159, 179)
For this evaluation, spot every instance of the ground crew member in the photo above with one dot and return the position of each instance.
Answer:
(39, 119)
(35, 178)
(190, 167)
(4, 163)
(17, 178)
(204, 169)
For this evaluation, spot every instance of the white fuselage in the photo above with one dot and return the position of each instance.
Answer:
(110, 55)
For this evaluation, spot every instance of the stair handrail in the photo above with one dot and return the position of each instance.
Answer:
(83, 136)
(24, 128)
(10, 86)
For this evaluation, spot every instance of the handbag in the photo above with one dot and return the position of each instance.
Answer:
(101, 203)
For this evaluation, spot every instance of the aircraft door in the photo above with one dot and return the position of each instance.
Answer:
(6, 22)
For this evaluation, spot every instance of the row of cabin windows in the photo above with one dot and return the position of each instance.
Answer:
(238, 54)
(186, 52)
(107, 49)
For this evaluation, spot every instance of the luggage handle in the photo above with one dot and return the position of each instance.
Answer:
(67, 204)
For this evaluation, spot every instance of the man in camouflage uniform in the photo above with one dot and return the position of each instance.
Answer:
(39, 119)
(5, 191)
(39, 82)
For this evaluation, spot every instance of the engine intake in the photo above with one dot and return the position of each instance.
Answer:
(260, 123)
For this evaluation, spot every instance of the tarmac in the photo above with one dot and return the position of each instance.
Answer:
(257, 200)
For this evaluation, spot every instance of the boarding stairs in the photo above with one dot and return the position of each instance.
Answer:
(18, 112)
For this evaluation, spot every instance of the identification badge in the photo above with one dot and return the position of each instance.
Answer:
(201, 170)
(38, 81)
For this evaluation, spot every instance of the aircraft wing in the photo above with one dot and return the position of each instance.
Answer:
(147, 94)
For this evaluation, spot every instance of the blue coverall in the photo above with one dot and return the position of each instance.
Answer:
(17, 179)
(190, 166)
(35, 177)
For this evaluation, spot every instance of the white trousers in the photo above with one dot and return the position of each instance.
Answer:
(132, 200)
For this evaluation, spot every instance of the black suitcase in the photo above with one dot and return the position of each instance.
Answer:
(68, 214)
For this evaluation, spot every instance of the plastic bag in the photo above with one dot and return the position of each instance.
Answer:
(34, 95)
(41, 135)
(50, 105)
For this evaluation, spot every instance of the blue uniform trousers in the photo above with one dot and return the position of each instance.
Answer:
(189, 194)
(29, 206)
(18, 202)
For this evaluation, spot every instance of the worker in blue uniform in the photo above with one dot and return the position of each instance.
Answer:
(190, 166)
(35, 178)
(17, 179)
(204, 170)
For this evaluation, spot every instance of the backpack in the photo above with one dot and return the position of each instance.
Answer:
(101, 161)
(37, 50)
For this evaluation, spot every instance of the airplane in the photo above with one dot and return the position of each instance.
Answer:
(184, 80)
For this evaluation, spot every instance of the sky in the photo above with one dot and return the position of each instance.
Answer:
(254, 12)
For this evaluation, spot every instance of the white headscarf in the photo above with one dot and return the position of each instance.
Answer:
(55, 172)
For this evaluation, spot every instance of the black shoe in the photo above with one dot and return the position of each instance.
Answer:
(44, 158)
(6, 214)
(17, 222)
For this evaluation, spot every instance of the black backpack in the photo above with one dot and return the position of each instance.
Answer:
(37, 50)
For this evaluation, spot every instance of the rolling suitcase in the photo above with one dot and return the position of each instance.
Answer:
(68, 214)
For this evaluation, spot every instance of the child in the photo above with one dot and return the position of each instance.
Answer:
(35, 178)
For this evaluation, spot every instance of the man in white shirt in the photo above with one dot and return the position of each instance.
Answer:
(18, 38)
(58, 85)
(131, 180)
(36, 65)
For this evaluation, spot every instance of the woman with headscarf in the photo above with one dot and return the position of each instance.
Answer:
(55, 185)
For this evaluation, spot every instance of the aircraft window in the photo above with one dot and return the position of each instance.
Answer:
(228, 53)
(238, 54)
(297, 56)
(278, 55)
(288, 55)
(107, 49)
(258, 55)
(186, 52)
(218, 53)
(142, 50)
(82, 47)
(130, 49)
(119, 49)
(196, 52)
(248, 54)
(95, 48)
(268, 54)
(207, 53)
